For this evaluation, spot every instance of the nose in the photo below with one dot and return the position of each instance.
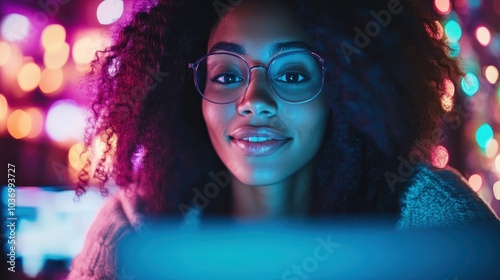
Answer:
(258, 99)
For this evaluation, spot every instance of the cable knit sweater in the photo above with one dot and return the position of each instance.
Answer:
(434, 198)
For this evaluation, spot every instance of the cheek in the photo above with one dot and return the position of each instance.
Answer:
(211, 115)
(217, 118)
(309, 121)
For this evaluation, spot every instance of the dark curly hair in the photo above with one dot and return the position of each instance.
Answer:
(383, 97)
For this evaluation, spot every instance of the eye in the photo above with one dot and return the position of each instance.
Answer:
(226, 79)
(292, 77)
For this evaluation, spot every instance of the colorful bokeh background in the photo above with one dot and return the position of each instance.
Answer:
(46, 47)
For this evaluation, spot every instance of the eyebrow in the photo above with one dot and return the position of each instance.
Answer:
(226, 46)
(291, 45)
(278, 47)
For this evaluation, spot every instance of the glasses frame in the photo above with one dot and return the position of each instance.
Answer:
(194, 66)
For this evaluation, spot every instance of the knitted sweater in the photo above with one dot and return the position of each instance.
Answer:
(435, 198)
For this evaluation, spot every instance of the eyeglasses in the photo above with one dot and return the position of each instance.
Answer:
(295, 77)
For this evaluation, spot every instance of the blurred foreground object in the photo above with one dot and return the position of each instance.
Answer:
(344, 250)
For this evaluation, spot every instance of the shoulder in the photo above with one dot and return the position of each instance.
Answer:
(116, 219)
(441, 198)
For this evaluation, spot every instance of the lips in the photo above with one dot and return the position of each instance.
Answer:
(258, 141)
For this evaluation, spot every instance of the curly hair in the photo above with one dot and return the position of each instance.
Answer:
(383, 97)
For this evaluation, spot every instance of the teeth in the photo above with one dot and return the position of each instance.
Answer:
(256, 139)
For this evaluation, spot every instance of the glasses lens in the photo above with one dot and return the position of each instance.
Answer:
(296, 77)
(222, 78)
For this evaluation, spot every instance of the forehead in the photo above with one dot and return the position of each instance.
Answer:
(257, 26)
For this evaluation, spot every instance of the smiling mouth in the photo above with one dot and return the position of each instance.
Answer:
(258, 146)
(256, 139)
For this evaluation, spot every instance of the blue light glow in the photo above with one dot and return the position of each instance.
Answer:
(495, 45)
(484, 134)
(474, 4)
(454, 49)
(453, 31)
(470, 84)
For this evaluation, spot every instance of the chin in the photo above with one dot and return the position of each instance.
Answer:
(258, 179)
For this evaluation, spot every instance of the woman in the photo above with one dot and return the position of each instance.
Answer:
(298, 108)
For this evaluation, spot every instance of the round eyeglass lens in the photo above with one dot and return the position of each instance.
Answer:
(296, 77)
(222, 78)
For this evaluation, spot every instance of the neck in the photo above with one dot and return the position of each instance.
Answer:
(288, 198)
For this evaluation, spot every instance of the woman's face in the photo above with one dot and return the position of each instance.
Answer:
(253, 31)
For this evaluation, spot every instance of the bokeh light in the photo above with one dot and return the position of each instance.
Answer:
(56, 57)
(496, 190)
(53, 36)
(99, 145)
(491, 74)
(51, 80)
(5, 51)
(76, 159)
(36, 117)
(494, 46)
(442, 6)
(498, 92)
(475, 182)
(19, 124)
(114, 67)
(9, 70)
(65, 121)
(15, 27)
(484, 134)
(474, 4)
(29, 76)
(109, 11)
(497, 163)
(4, 106)
(453, 31)
(440, 156)
(85, 47)
(492, 148)
(483, 35)
(470, 84)
(449, 93)
(454, 49)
